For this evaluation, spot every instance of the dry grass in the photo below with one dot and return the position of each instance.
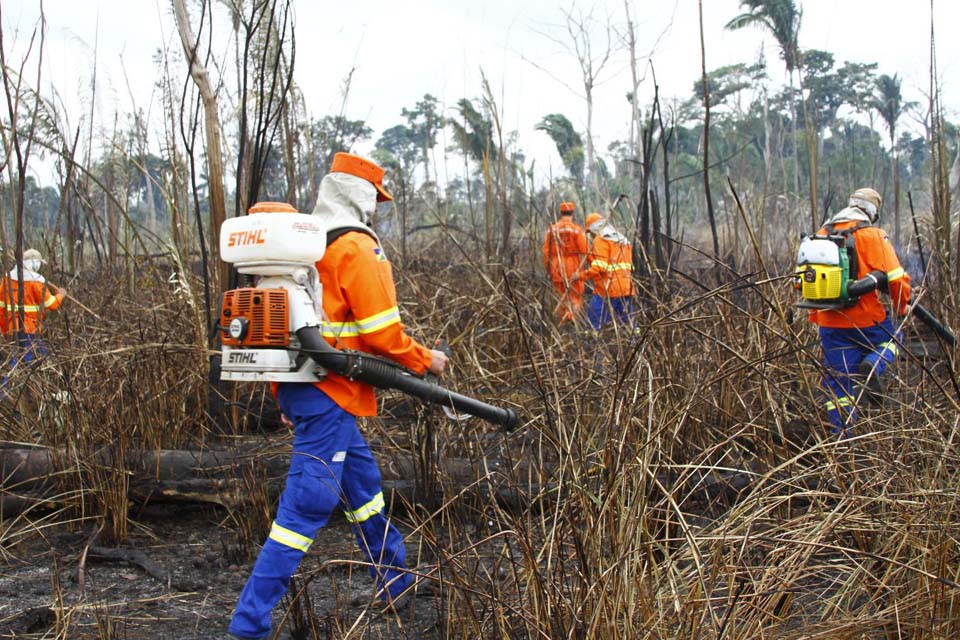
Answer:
(612, 511)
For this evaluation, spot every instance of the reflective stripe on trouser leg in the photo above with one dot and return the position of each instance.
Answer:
(837, 412)
(312, 492)
(884, 346)
(380, 541)
(841, 355)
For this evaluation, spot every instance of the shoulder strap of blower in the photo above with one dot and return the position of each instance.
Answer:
(849, 243)
(333, 234)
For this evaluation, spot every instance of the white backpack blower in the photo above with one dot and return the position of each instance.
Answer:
(272, 331)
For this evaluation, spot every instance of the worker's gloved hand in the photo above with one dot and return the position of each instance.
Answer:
(285, 421)
(61, 292)
(438, 362)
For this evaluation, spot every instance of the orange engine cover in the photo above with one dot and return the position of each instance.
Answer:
(268, 321)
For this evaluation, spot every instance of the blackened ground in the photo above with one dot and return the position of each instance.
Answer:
(46, 587)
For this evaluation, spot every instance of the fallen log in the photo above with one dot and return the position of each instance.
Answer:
(38, 477)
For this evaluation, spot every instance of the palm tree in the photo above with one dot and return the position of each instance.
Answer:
(888, 102)
(569, 144)
(782, 19)
(474, 136)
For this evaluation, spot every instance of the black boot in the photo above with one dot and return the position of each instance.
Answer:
(871, 383)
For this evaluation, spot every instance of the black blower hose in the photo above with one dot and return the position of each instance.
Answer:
(384, 375)
(878, 280)
(866, 284)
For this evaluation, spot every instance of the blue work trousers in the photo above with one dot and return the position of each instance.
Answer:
(843, 352)
(602, 310)
(331, 467)
(30, 348)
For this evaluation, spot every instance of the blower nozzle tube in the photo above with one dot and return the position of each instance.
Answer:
(384, 375)
(878, 280)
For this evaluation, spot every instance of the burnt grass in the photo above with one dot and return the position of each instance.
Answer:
(676, 481)
(204, 569)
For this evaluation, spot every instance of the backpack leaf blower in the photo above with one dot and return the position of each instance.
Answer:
(878, 280)
(272, 331)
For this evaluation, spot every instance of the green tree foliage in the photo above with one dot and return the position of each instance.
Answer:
(728, 82)
(423, 123)
(569, 144)
(889, 103)
(325, 137)
(829, 89)
(398, 147)
(781, 18)
(40, 206)
(474, 134)
(332, 134)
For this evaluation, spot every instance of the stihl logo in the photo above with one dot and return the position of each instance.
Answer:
(238, 357)
(242, 238)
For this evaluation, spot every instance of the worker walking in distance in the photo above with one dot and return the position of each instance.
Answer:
(564, 251)
(39, 298)
(610, 268)
(332, 466)
(858, 339)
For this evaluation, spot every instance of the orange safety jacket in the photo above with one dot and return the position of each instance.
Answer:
(37, 300)
(874, 253)
(564, 249)
(611, 264)
(360, 305)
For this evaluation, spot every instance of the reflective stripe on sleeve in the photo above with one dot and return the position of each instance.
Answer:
(891, 347)
(340, 330)
(50, 301)
(289, 538)
(379, 320)
(896, 274)
(368, 510)
(367, 325)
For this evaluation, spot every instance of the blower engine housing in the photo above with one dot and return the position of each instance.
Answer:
(279, 247)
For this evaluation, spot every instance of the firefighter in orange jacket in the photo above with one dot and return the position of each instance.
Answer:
(859, 342)
(564, 250)
(332, 466)
(611, 266)
(37, 302)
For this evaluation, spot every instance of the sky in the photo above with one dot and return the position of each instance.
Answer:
(401, 50)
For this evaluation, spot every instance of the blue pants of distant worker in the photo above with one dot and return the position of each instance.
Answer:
(332, 467)
(30, 347)
(601, 310)
(843, 352)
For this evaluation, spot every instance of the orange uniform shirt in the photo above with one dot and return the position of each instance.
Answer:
(874, 253)
(360, 302)
(37, 300)
(564, 249)
(611, 265)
